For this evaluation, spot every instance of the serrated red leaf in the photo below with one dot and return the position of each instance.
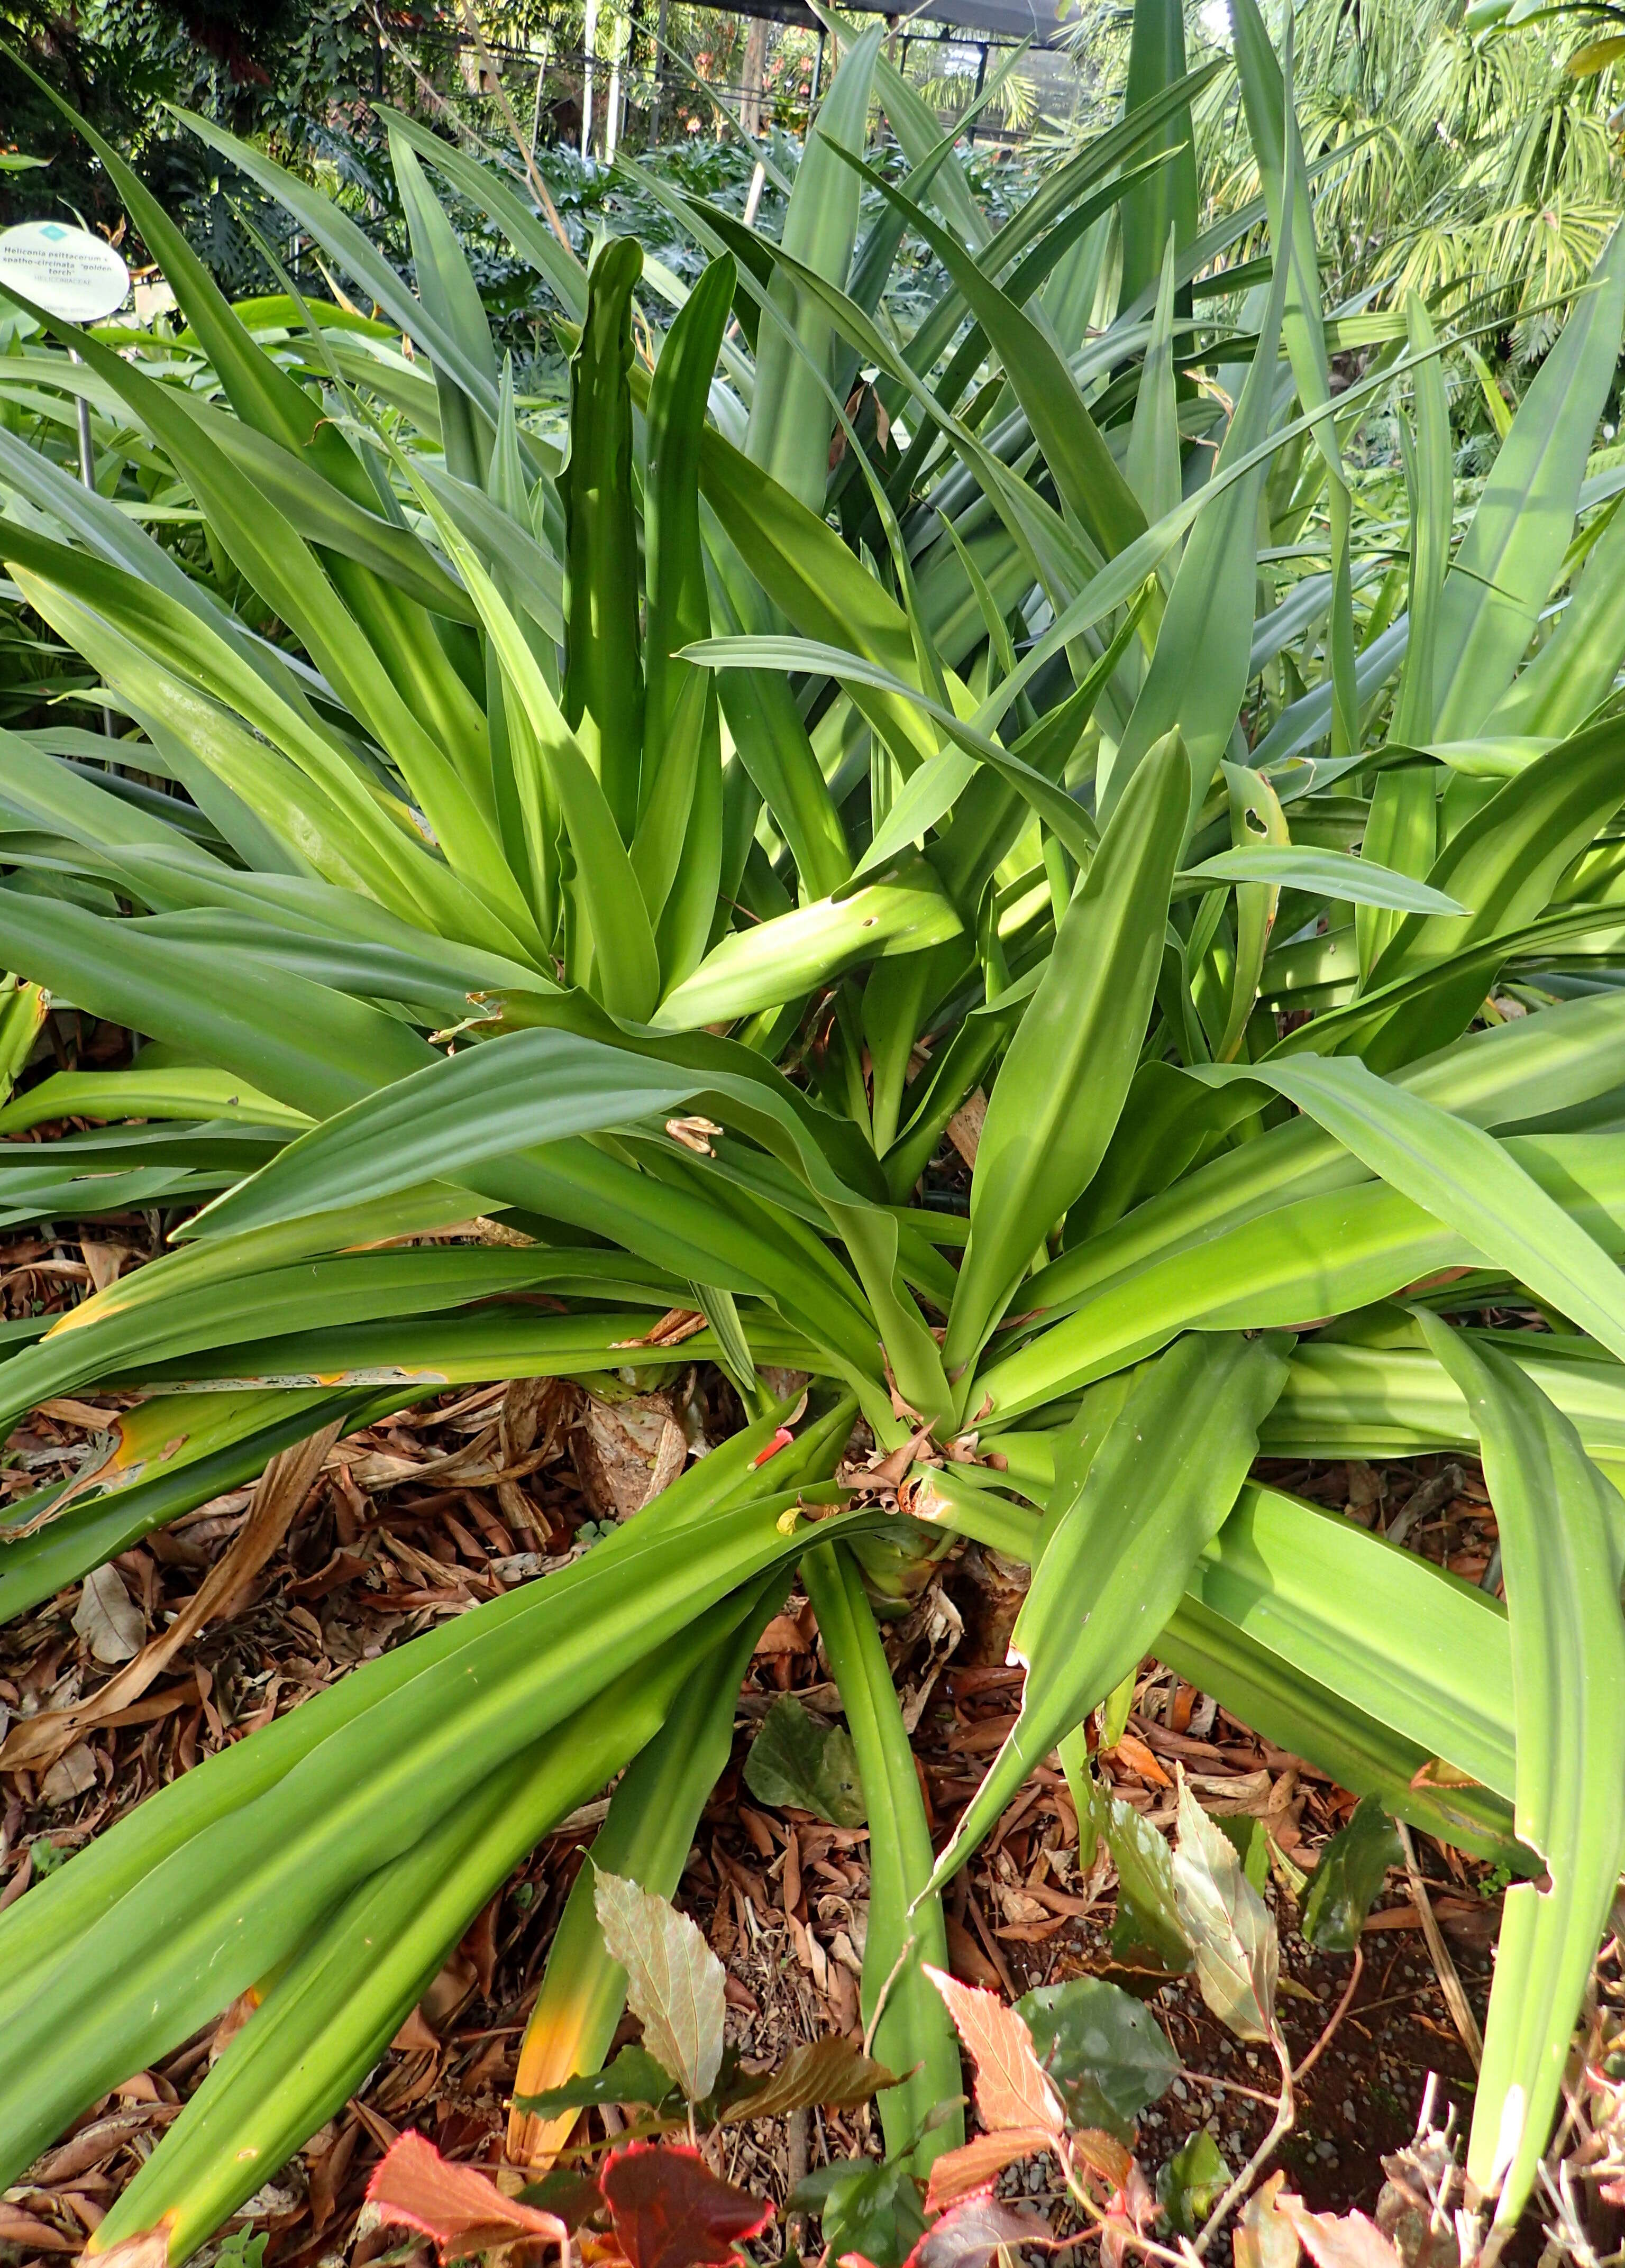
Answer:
(457, 2209)
(670, 2211)
(1130, 2213)
(1011, 2089)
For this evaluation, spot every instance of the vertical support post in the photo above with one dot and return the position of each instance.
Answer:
(634, 67)
(754, 73)
(612, 108)
(588, 39)
(535, 108)
(659, 73)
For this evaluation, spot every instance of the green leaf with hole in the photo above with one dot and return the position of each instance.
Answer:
(795, 1761)
(1106, 2054)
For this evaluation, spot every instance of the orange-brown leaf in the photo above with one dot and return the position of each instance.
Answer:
(457, 2209)
(1140, 1760)
(1104, 2155)
(1011, 2089)
(957, 2172)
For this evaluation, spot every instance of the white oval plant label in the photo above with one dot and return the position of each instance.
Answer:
(65, 271)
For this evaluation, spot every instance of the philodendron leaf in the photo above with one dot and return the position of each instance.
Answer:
(1348, 1877)
(795, 1760)
(674, 1981)
(1191, 2183)
(633, 2077)
(1105, 2053)
(1231, 1930)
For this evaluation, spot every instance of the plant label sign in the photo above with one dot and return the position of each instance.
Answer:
(67, 271)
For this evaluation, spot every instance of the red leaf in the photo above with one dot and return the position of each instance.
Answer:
(968, 2235)
(1104, 2155)
(1011, 2089)
(956, 2173)
(1352, 2241)
(670, 2211)
(1265, 2238)
(462, 2213)
(1130, 2213)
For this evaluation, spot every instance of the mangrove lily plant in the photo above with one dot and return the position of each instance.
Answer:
(654, 827)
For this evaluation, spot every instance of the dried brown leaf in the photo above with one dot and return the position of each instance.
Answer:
(832, 2073)
(107, 1618)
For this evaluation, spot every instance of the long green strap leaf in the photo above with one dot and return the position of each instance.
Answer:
(1429, 472)
(1464, 1177)
(1083, 468)
(788, 435)
(652, 1818)
(905, 1927)
(1561, 1528)
(1063, 1082)
(1507, 559)
(1505, 862)
(1130, 1516)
